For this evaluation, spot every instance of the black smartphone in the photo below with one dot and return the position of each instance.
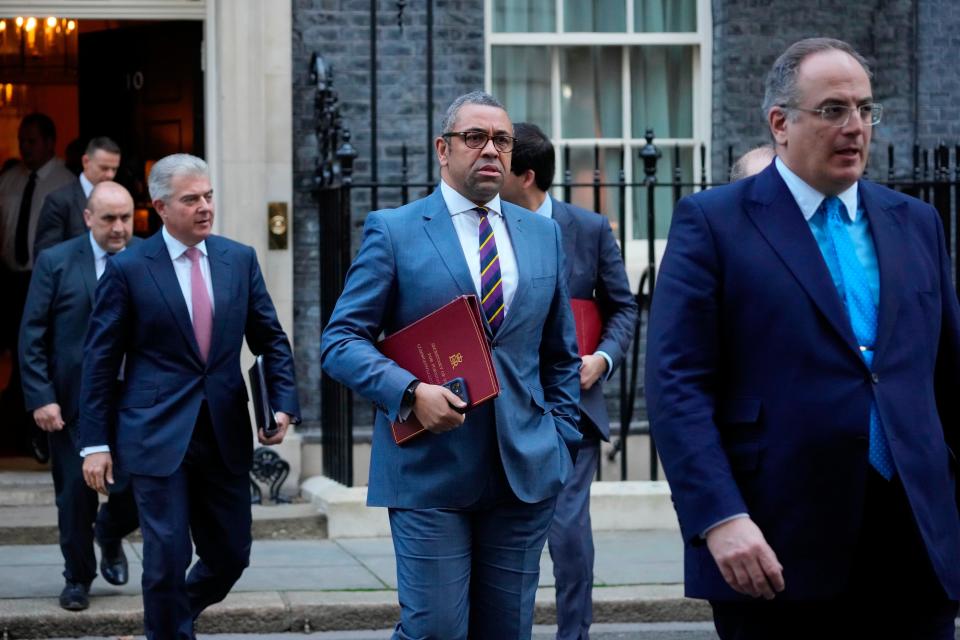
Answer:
(459, 388)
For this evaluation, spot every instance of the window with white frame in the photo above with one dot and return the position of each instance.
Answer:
(600, 73)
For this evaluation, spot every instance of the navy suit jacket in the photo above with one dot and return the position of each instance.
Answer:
(140, 312)
(54, 324)
(758, 396)
(594, 270)
(61, 216)
(410, 264)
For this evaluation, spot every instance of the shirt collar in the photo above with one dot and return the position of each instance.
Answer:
(98, 251)
(546, 209)
(176, 248)
(86, 184)
(457, 203)
(809, 199)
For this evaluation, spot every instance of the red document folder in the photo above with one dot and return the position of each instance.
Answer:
(586, 315)
(446, 344)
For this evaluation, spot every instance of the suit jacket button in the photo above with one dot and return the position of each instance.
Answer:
(874, 378)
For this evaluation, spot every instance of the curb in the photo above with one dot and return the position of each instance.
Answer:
(307, 611)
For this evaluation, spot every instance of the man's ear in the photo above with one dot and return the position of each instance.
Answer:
(529, 178)
(88, 217)
(442, 147)
(777, 119)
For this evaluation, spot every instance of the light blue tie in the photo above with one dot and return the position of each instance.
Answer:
(863, 319)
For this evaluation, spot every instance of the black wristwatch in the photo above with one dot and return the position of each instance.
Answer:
(409, 395)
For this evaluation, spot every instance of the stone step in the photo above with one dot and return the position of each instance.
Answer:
(26, 488)
(37, 524)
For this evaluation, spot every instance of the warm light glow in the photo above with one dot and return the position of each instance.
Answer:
(3, 25)
(8, 91)
(19, 21)
(31, 23)
(71, 25)
(51, 22)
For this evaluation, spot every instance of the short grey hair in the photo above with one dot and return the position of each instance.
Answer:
(164, 171)
(780, 87)
(474, 97)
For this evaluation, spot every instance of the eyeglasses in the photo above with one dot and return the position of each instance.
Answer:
(478, 140)
(838, 115)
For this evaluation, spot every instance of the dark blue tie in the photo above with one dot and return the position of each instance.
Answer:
(863, 319)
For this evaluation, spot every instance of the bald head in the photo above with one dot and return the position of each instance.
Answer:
(109, 216)
(752, 162)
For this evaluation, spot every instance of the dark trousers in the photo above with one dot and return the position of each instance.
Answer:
(893, 591)
(473, 572)
(571, 547)
(201, 497)
(78, 517)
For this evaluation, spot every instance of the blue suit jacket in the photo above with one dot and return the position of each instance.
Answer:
(595, 270)
(140, 312)
(411, 263)
(759, 399)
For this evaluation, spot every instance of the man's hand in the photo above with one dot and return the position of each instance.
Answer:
(48, 417)
(283, 422)
(591, 368)
(98, 471)
(433, 406)
(746, 561)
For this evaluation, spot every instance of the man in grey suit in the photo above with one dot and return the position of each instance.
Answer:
(61, 217)
(55, 319)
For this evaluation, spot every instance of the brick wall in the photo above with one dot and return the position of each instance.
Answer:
(339, 31)
(750, 34)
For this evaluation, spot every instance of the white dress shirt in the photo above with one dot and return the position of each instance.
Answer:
(181, 265)
(466, 221)
(50, 176)
(86, 185)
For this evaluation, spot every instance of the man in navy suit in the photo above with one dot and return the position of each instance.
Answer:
(52, 331)
(61, 216)
(178, 307)
(594, 271)
(803, 364)
(471, 502)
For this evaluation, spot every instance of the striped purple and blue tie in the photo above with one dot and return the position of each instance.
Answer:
(491, 283)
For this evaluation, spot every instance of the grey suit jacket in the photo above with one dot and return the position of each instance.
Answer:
(61, 216)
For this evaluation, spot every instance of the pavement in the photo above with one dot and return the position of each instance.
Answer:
(316, 585)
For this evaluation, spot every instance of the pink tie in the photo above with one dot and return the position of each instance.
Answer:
(202, 309)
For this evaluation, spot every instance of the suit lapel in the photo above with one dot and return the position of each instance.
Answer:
(569, 231)
(221, 276)
(771, 207)
(161, 269)
(522, 252)
(88, 268)
(443, 235)
(887, 231)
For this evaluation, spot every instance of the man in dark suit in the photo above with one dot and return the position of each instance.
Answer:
(594, 271)
(179, 306)
(803, 363)
(470, 502)
(61, 217)
(52, 331)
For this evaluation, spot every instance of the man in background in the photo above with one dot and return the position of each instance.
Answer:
(52, 332)
(752, 162)
(62, 215)
(594, 271)
(22, 190)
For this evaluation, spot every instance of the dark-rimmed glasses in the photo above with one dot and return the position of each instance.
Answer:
(838, 115)
(478, 140)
